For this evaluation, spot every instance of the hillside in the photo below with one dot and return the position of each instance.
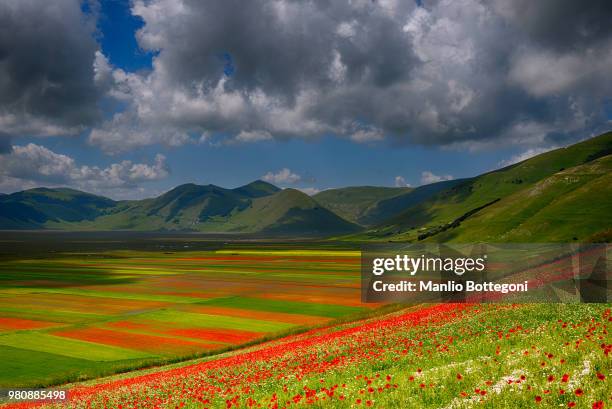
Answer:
(186, 207)
(561, 195)
(33, 208)
(258, 207)
(290, 212)
(386, 209)
(477, 196)
(356, 203)
(570, 205)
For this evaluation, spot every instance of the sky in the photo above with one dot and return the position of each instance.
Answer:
(129, 99)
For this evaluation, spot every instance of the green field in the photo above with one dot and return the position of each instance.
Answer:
(73, 315)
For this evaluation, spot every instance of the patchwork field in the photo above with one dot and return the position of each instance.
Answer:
(73, 316)
(440, 356)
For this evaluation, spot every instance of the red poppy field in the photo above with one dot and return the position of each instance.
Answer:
(440, 356)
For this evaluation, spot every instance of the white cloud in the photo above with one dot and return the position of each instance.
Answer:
(367, 135)
(34, 165)
(401, 182)
(253, 136)
(283, 176)
(529, 153)
(310, 191)
(449, 73)
(428, 177)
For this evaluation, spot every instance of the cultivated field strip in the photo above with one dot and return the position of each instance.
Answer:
(82, 315)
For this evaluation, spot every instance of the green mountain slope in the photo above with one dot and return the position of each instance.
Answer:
(290, 212)
(259, 188)
(355, 203)
(560, 195)
(258, 207)
(391, 207)
(34, 208)
(572, 204)
(185, 207)
(473, 196)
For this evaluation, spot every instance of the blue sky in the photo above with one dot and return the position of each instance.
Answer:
(324, 163)
(209, 92)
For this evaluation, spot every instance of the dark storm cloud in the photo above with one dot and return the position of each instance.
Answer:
(5, 143)
(560, 24)
(280, 47)
(449, 73)
(46, 67)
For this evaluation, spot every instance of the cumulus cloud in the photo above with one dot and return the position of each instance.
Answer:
(446, 73)
(401, 182)
(529, 153)
(34, 165)
(310, 191)
(284, 177)
(428, 177)
(253, 136)
(47, 54)
(367, 135)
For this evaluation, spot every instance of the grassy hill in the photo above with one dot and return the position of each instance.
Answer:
(33, 208)
(370, 205)
(388, 208)
(290, 212)
(255, 208)
(561, 195)
(573, 204)
(444, 211)
(258, 207)
(355, 203)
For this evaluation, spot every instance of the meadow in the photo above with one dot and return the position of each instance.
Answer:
(188, 322)
(436, 356)
(77, 313)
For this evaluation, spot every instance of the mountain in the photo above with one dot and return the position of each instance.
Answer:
(290, 212)
(356, 203)
(571, 205)
(388, 208)
(463, 204)
(31, 209)
(370, 205)
(259, 188)
(560, 195)
(186, 207)
(258, 207)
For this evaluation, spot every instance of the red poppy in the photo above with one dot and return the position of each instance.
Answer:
(578, 392)
(598, 405)
(571, 404)
(538, 399)
(600, 376)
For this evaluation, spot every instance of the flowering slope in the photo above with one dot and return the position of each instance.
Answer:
(451, 356)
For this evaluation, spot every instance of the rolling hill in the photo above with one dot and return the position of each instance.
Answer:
(572, 204)
(560, 195)
(440, 216)
(356, 203)
(258, 207)
(31, 209)
(290, 212)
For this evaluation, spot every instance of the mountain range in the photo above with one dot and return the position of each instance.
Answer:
(560, 195)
